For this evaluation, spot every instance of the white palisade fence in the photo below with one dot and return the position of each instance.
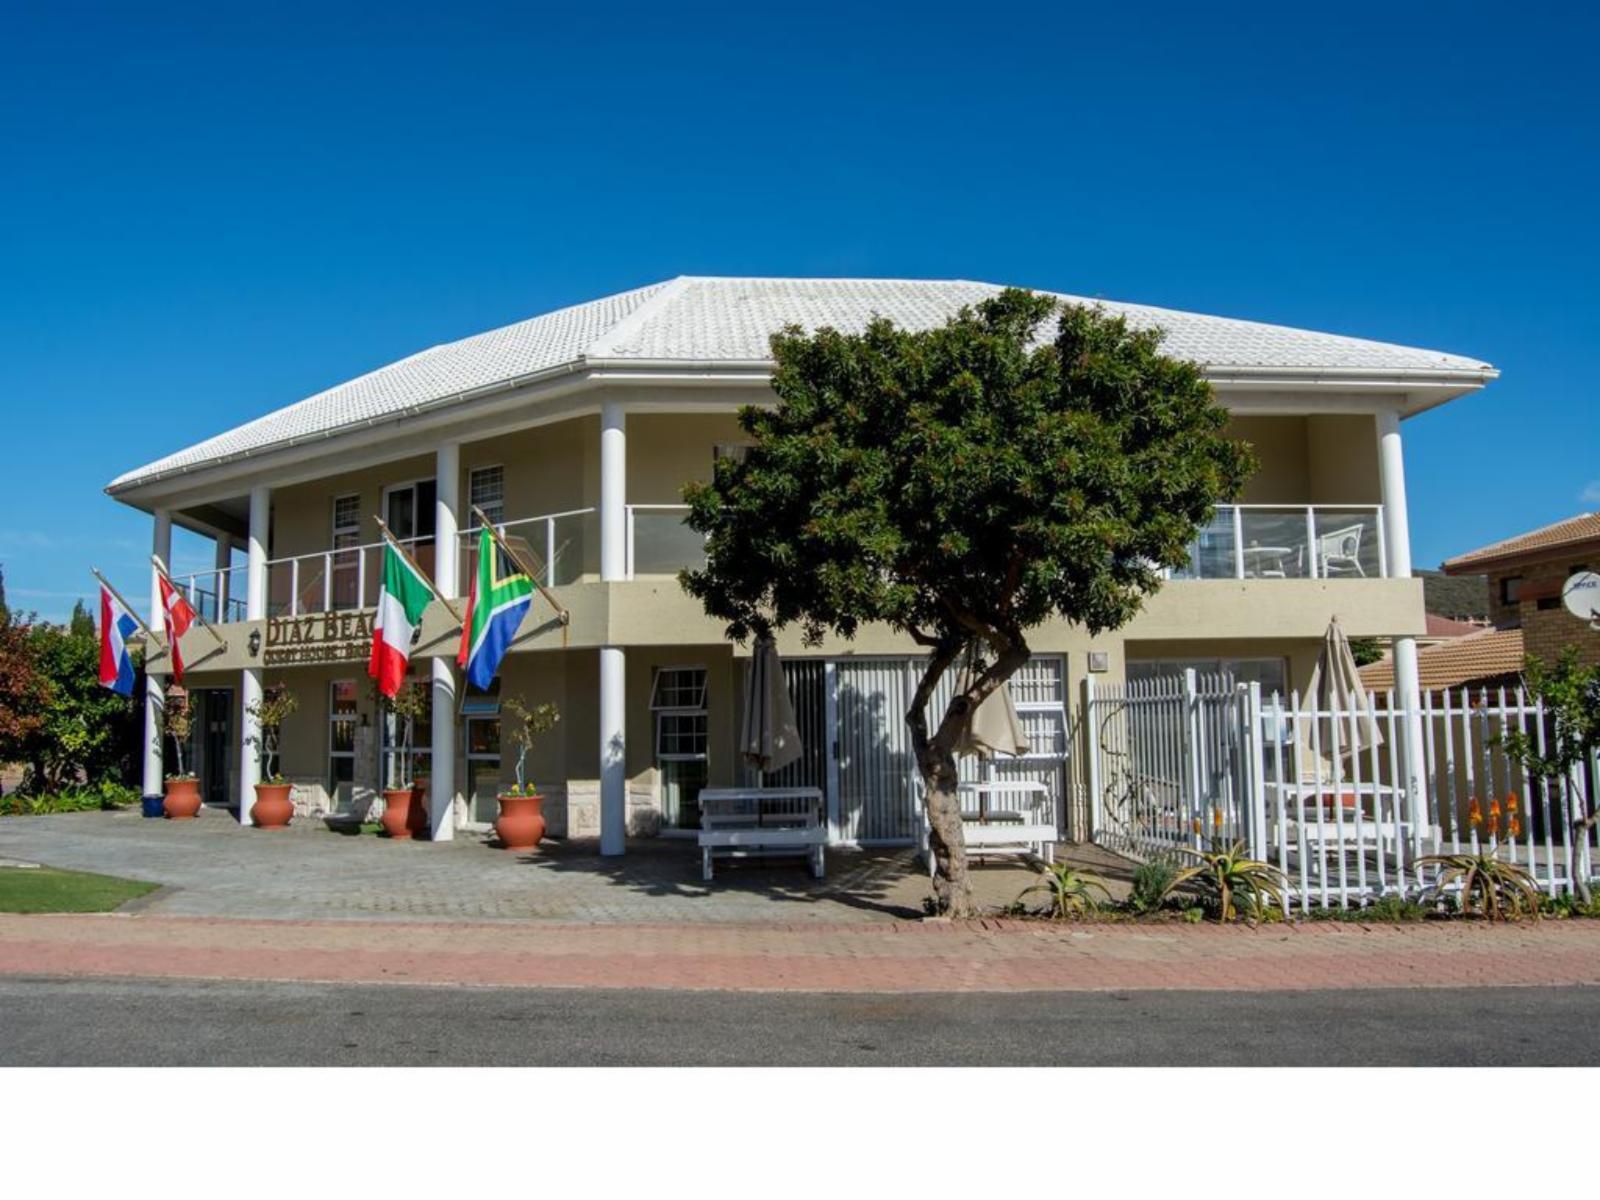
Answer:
(1327, 795)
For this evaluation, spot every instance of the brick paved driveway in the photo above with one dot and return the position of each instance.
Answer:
(213, 868)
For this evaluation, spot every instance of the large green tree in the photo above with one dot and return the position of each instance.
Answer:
(963, 485)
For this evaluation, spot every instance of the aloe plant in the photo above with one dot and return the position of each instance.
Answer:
(1071, 890)
(1222, 875)
(1500, 890)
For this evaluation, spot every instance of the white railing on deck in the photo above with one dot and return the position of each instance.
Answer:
(1189, 761)
(561, 548)
(1280, 541)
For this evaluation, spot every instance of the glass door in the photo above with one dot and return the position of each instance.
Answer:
(408, 508)
(483, 768)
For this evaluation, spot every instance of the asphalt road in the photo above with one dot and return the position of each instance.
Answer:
(47, 1022)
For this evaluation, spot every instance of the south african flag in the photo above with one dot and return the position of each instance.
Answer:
(494, 613)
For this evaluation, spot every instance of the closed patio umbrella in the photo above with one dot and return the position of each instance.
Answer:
(769, 738)
(993, 727)
(1336, 687)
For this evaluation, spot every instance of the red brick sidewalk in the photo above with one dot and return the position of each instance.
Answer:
(984, 956)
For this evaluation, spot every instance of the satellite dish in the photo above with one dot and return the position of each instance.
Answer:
(1581, 595)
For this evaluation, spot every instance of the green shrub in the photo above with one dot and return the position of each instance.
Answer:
(105, 795)
(1153, 883)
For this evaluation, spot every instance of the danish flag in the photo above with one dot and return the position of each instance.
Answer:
(178, 616)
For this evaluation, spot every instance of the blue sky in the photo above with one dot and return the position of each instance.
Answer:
(204, 216)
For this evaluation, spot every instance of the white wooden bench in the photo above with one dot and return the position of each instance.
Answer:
(1011, 817)
(761, 822)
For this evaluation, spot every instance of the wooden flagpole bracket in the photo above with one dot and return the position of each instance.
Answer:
(388, 536)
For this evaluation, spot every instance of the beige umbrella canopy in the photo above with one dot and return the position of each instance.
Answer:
(1336, 687)
(769, 738)
(993, 727)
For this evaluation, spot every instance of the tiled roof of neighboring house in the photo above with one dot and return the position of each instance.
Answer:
(1448, 627)
(693, 320)
(1574, 531)
(1488, 654)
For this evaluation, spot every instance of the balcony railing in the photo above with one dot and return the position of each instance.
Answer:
(1244, 541)
(561, 547)
(1310, 541)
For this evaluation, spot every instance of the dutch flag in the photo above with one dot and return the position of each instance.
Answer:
(116, 627)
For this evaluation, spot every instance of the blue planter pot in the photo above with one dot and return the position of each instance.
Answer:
(151, 805)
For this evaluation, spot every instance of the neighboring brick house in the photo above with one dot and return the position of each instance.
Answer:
(1526, 577)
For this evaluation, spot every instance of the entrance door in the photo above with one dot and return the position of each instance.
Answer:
(216, 753)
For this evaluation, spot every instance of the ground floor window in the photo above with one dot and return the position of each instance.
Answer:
(342, 720)
(678, 703)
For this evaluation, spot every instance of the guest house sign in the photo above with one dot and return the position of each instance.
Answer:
(323, 638)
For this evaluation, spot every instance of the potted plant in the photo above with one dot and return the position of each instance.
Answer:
(521, 822)
(182, 799)
(273, 809)
(404, 815)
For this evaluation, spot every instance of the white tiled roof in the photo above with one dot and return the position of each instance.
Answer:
(715, 320)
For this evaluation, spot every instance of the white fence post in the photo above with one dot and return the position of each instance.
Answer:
(1191, 757)
(1255, 773)
(1092, 759)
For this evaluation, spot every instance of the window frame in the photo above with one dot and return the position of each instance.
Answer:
(335, 718)
(495, 519)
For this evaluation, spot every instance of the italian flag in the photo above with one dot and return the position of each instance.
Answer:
(404, 596)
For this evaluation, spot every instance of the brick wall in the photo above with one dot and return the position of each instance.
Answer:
(1545, 632)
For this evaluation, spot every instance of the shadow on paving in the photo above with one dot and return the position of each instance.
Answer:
(882, 882)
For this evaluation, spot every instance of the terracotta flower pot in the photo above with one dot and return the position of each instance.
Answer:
(182, 801)
(417, 819)
(273, 809)
(521, 823)
(397, 813)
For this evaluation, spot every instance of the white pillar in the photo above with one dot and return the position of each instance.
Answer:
(613, 752)
(250, 684)
(1407, 679)
(446, 558)
(613, 566)
(161, 546)
(613, 491)
(219, 582)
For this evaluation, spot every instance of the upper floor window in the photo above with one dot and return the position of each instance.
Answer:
(1511, 589)
(346, 521)
(486, 489)
(737, 451)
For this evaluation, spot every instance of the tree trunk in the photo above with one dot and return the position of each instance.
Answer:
(951, 889)
(936, 761)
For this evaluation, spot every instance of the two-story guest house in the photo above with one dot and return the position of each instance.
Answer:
(576, 431)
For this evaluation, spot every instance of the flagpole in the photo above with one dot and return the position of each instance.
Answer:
(172, 583)
(389, 537)
(106, 583)
(533, 576)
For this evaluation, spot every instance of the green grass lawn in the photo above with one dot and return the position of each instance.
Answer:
(47, 890)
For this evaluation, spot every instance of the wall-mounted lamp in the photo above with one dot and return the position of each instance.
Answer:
(255, 642)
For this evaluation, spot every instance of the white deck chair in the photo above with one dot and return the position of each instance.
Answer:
(1340, 551)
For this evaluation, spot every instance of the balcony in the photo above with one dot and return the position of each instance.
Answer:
(1246, 541)
(1260, 541)
(562, 548)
